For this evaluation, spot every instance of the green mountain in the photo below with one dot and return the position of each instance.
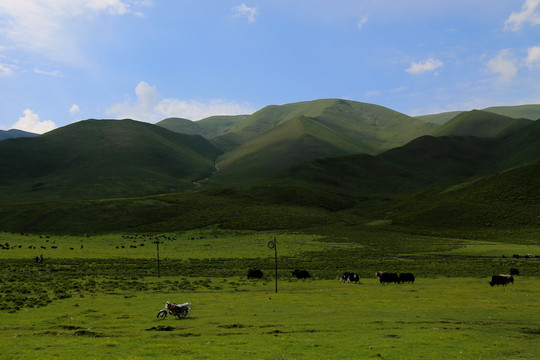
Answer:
(377, 127)
(182, 126)
(278, 137)
(531, 112)
(297, 140)
(439, 119)
(520, 146)
(14, 133)
(295, 166)
(424, 163)
(103, 158)
(480, 123)
(506, 200)
(209, 128)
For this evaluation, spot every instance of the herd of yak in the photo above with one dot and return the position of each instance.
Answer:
(386, 277)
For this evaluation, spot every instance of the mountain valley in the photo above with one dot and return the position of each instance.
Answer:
(330, 158)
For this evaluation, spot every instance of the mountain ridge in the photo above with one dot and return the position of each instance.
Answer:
(15, 133)
(321, 168)
(482, 124)
(336, 127)
(424, 162)
(103, 158)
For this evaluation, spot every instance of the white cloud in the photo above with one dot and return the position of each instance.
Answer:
(243, 10)
(197, 110)
(45, 26)
(151, 107)
(30, 122)
(50, 73)
(528, 14)
(6, 70)
(74, 109)
(429, 65)
(503, 64)
(533, 57)
(361, 23)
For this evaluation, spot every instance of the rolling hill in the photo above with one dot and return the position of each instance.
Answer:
(278, 137)
(531, 111)
(509, 199)
(14, 133)
(209, 128)
(376, 127)
(417, 166)
(480, 123)
(424, 163)
(287, 167)
(439, 119)
(103, 158)
(297, 140)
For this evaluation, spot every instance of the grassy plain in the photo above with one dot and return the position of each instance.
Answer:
(445, 318)
(97, 297)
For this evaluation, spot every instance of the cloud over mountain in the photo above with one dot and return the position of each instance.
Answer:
(30, 122)
(150, 106)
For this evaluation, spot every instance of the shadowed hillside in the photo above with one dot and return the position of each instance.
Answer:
(426, 162)
(507, 199)
(423, 163)
(103, 158)
(14, 133)
(300, 172)
(278, 137)
(209, 127)
(482, 124)
(531, 112)
(297, 140)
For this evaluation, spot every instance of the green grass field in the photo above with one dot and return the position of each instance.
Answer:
(92, 299)
(444, 318)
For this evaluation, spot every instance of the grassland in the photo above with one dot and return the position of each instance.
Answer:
(453, 223)
(445, 318)
(97, 296)
(481, 124)
(100, 159)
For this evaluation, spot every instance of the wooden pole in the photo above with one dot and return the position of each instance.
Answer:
(273, 245)
(275, 256)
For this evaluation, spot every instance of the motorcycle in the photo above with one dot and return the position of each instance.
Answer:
(178, 310)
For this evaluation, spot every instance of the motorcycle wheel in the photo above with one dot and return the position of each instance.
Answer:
(162, 314)
(182, 314)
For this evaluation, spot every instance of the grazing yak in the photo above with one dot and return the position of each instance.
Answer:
(350, 277)
(301, 274)
(385, 277)
(406, 278)
(501, 279)
(254, 274)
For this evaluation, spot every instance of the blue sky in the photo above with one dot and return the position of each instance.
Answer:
(67, 60)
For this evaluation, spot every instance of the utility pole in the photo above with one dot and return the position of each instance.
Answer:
(273, 245)
(157, 245)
